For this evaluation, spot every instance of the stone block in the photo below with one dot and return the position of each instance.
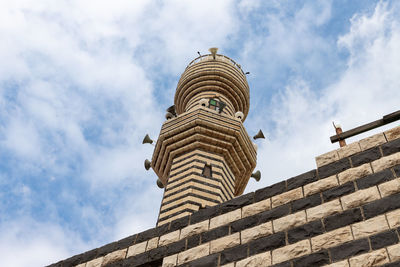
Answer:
(270, 191)
(370, 227)
(292, 251)
(194, 229)
(179, 223)
(394, 252)
(224, 242)
(152, 243)
(390, 188)
(232, 264)
(344, 263)
(146, 235)
(170, 261)
(381, 206)
(211, 260)
(372, 141)
(233, 254)
(324, 210)
(360, 197)
(193, 241)
(258, 260)
(315, 259)
(169, 238)
(349, 150)
(349, 249)
(215, 233)
(320, 185)
(301, 179)
(392, 134)
(386, 162)
(256, 232)
(305, 231)
(175, 247)
(384, 239)
(114, 256)
(393, 218)
(306, 202)
(334, 168)
(266, 243)
(225, 218)
(274, 213)
(366, 156)
(194, 253)
(374, 258)
(245, 223)
(338, 191)
(342, 219)
(354, 173)
(332, 238)
(95, 262)
(204, 214)
(374, 179)
(237, 202)
(136, 249)
(287, 197)
(290, 221)
(257, 207)
(391, 147)
(327, 158)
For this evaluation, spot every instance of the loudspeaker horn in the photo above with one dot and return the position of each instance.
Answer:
(172, 110)
(160, 184)
(147, 140)
(147, 164)
(259, 135)
(256, 175)
(213, 51)
(169, 115)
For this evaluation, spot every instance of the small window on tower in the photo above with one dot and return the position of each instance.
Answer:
(207, 172)
(213, 104)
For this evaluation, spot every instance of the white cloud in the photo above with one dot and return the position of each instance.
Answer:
(25, 242)
(366, 90)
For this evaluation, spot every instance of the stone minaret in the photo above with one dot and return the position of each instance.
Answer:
(204, 155)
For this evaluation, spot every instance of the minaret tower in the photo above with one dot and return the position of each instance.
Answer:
(204, 155)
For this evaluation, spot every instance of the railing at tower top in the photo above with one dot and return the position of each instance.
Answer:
(389, 118)
(217, 56)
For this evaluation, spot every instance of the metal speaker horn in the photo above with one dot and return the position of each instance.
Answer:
(239, 115)
(147, 140)
(259, 135)
(160, 184)
(169, 115)
(147, 164)
(172, 110)
(203, 102)
(213, 51)
(256, 175)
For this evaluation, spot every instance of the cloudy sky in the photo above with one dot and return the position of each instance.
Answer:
(82, 82)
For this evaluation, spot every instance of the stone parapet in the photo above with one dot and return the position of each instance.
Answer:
(314, 219)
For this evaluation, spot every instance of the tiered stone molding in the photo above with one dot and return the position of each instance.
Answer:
(344, 213)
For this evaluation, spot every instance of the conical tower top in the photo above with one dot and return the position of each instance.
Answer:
(213, 75)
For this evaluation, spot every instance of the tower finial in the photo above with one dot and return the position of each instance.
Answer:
(213, 51)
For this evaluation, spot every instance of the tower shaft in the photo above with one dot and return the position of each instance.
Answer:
(204, 155)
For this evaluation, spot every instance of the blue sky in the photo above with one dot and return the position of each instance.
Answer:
(82, 82)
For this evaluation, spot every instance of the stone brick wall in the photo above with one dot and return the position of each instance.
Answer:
(344, 213)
